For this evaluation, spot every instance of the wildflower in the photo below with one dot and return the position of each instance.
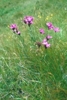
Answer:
(48, 37)
(18, 32)
(49, 25)
(13, 26)
(44, 41)
(47, 45)
(56, 29)
(42, 31)
(28, 20)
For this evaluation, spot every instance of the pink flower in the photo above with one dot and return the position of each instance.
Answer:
(47, 45)
(49, 25)
(48, 37)
(56, 29)
(18, 32)
(28, 20)
(42, 31)
(13, 26)
(44, 42)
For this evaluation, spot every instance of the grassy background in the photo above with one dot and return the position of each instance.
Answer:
(26, 71)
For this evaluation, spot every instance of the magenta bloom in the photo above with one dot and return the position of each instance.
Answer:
(47, 45)
(48, 37)
(44, 41)
(28, 20)
(18, 33)
(56, 29)
(13, 26)
(42, 31)
(49, 25)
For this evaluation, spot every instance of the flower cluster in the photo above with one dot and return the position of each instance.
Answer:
(14, 28)
(48, 37)
(45, 41)
(49, 25)
(52, 27)
(28, 20)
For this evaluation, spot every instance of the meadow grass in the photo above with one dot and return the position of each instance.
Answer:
(28, 72)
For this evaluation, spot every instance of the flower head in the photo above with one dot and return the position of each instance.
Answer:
(47, 45)
(44, 42)
(56, 29)
(48, 37)
(18, 32)
(42, 31)
(28, 20)
(49, 25)
(13, 26)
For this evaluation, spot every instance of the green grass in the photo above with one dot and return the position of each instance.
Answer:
(26, 71)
